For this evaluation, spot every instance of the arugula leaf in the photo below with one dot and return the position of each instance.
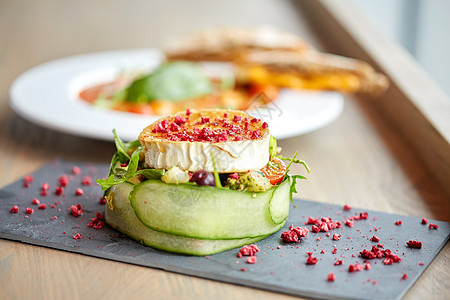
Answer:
(131, 172)
(293, 189)
(297, 161)
(124, 149)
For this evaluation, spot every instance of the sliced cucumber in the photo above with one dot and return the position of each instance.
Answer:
(279, 204)
(205, 212)
(122, 217)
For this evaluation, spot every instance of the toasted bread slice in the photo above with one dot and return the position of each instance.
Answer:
(229, 43)
(267, 55)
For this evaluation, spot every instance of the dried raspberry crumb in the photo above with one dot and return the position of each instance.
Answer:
(347, 207)
(102, 200)
(59, 190)
(45, 186)
(433, 226)
(237, 118)
(86, 180)
(79, 192)
(355, 268)
(243, 269)
(35, 201)
(328, 234)
(76, 170)
(398, 223)
(76, 210)
(289, 236)
(29, 210)
(405, 276)
(331, 277)
(248, 250)
(336, 237)
(28, 179)
(63, 180)
(414, 244)
(334, 251)
(97, 222)
(311, 260)
(367, 266)
(315, 229)
(14, 209)
(265, 125)
(424, 221)
(380, 245)
(77, 236)
(179, 120)
(349, 223)
(52, 206)
(421, 264)
(188, 112)
(43, 193)
(339, 262)
(42, 206)
(375, 239)
(251, 259)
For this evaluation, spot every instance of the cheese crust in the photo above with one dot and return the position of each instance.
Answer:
(237, 141)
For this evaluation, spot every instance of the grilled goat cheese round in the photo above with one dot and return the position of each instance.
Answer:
(237, 141)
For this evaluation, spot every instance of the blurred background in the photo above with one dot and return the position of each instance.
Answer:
(421, 27)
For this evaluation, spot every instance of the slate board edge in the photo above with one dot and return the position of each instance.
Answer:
(177, 270)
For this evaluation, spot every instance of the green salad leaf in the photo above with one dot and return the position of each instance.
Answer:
(173, 81)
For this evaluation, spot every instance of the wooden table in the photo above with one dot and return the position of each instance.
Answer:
(368, 158)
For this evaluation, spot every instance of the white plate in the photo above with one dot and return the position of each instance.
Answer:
(48, 95)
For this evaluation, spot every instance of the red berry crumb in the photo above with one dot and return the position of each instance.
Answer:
(336, 237)
(355, 268)
(433, 226)
(97, 222)
(248, 250)
(367, 266)
(398, 223)
(42, 206)
(45, 186)
(79, 192)
(339, 262)
(35, 201)
(76, 170)
(76, 210)
(311, 260)
(251, 259)
(14, 209)
(375, 239)
(334, 251)
(29, 210)
(77, 236)
(414, 244)
(63, 180)
(405, 276)
(349, 223)
(59, 190)
(102, 200)
(86, 180)
(331, 277)
(424, 221)
(347, 207)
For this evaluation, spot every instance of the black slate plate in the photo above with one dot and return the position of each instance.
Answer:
(280, 267)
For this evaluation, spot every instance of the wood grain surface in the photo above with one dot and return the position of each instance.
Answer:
(360, 159)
